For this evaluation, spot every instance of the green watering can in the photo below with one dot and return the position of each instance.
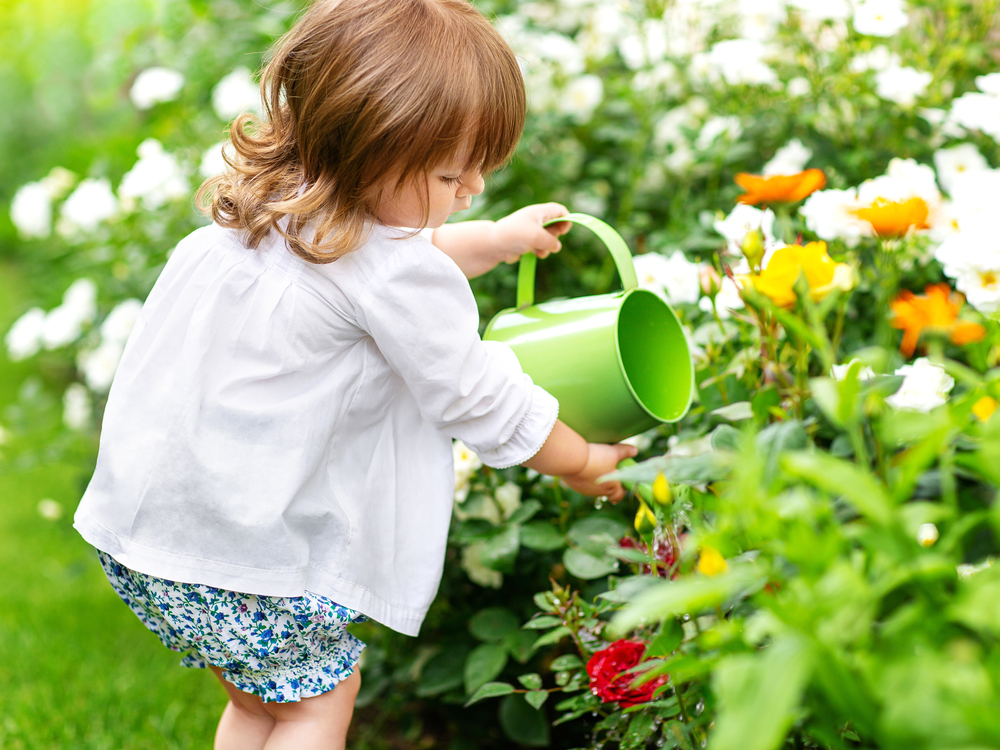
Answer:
(618, 363)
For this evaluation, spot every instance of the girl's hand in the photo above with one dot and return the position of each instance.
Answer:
(522, 232)
(601, 460)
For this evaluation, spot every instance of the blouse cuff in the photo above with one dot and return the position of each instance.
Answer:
(529, 436)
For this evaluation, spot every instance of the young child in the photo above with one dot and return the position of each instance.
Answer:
(276, 455)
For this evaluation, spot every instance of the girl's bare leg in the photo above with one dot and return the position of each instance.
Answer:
(317, 723)
(245, 724)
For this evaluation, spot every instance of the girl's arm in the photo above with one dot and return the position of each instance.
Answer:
(567, 455)
(479, 246)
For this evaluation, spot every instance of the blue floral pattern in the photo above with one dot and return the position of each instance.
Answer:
(279, 648)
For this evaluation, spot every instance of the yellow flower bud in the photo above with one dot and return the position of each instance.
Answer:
(984, 408)
(711, 562)
(927, 534)
(753, 248)
(661, 490)
(645, 520)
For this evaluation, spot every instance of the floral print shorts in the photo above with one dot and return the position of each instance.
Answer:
(279, 648)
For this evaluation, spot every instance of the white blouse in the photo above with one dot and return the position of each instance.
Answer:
(277, 425)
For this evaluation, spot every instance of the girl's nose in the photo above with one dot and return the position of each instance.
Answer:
(473, 184)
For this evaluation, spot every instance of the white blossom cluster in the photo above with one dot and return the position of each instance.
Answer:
(60, 326)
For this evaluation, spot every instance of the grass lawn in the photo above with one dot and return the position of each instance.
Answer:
(77, 669)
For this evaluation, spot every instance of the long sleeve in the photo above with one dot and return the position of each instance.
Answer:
(420, 311)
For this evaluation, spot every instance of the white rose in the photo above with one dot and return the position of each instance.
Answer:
(925, 386)
(877, 59)
(823, 10)
(64, 324)
(989, 84)
(100, 365)
(508, 497)
(155, 179)
(91, 203)
(736, 61)
(154, 85)
(902, 85)
(31, 211)
(880, 17)
(798, 87)
(839, 372)
(24, 338)
(466, 463)
(972, 259)
(789, 159)
(77, 409)
(235, 94)
(716, 127)
(977, 112)
(831, 215)
(120, 321)
(675, 279)
(954, 163)
(581, 97)
(474, 568)
(213, 161)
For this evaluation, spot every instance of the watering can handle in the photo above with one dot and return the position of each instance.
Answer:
(614, 242)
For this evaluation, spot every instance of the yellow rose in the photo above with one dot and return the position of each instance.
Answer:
(822, 274)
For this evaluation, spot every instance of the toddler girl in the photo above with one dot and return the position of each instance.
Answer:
(276, 456)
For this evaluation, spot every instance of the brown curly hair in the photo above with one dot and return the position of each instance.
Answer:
(356, 91)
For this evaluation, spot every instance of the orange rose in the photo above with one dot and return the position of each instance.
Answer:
(779, 188)
(936, 310)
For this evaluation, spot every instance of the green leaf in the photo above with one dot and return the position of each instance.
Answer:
(541, 536)
(587, 566)
(734, 412)
(522, 723)
(443, 672)
(698, 470)
(849, 389)
(532, 680)
(668, 641)
(566, 661)
(490, 690)
(527, 511)
(687, 596)
(826, 394)
(484, 663)
(840, 478)
(759, 695)
(553, 636)
(500, 551)
(777, 438)
(520, 644)
(542, 623)
(912, 462)
(763, 401)
(536, 698)
(493, 624)
(726, 438)
(596, 533)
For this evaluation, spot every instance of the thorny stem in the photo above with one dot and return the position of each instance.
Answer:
(838, 328)
(680, 701)
(572, 625)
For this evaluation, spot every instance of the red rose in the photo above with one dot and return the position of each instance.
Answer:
(607, 681)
